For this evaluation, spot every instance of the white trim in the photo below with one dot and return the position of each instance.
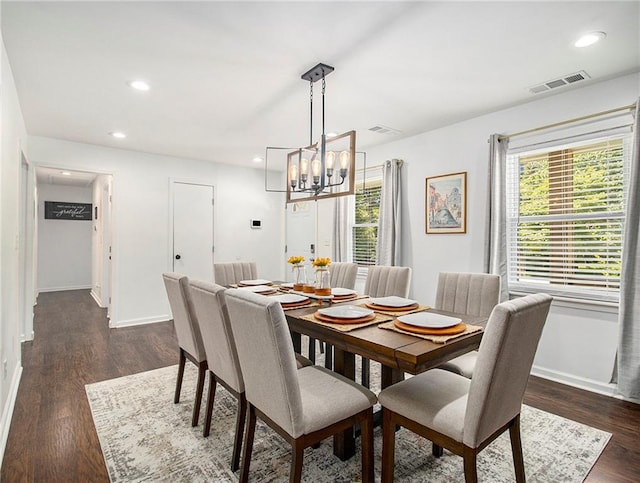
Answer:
(140, 321)
(7, 414)
(62, 289)
(97, 299)
(598, 387)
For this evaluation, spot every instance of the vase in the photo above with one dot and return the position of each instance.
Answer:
(299, 276)
(323, 281)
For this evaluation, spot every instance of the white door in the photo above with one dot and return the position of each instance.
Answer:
(193, 230)
(301, 233)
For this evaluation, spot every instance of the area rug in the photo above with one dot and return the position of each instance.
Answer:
(146, 437)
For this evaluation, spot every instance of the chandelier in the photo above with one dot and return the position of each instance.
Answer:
(324, 168)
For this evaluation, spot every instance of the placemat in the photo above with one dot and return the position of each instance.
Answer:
(394, 313)
(437, 339)
(347, 327)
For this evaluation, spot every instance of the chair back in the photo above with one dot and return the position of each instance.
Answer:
(468, 293)
(266, 358)
(384, 281)
(232, 272)
(343, 275)
(502, 369)
(184, 318)
(211, 310)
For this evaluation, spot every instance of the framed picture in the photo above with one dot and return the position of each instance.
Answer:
(446, 203)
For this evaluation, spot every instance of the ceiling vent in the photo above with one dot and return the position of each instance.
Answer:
(384, 130)
(563, 81)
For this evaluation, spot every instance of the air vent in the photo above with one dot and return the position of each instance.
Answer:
(384, 130)
(563, 81)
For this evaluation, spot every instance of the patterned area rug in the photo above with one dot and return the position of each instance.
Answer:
(145, 437)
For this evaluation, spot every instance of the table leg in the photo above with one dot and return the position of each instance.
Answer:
(344, 444)
(390, 376)
(296, 338)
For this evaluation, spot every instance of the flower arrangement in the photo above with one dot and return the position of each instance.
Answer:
(295, 259)
(321, 262)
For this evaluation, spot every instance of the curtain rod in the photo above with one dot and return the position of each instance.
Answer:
(569, 121)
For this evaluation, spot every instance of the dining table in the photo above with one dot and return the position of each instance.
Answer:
(398, 353)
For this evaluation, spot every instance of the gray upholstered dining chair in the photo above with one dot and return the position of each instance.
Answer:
(343, 274)
(385, 281)
(465, 415)
(470, 294)
(187, 330)
(230, 273)
(303, 406)
(222, 358)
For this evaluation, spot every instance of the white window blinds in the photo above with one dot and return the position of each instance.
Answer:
(365, 228)
(565, 216)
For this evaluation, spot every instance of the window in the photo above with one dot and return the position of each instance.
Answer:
(365, 227)
(565, 218)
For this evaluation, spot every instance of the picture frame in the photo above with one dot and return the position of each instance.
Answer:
(446, 203)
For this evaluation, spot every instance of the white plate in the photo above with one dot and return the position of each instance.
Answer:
(290, 298)
(393, 301)
(259, 288)
(429, 320)
(341, 292)
(258, 281)
(345, 312)
(287, 285)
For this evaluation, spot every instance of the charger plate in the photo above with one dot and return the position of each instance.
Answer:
(456, 329)
(406, 308)
(335, 320)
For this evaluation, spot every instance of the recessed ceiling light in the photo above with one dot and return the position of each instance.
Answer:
(257, 159)
(65, 173)
(139, 85)
(589, 39)
(118, 134)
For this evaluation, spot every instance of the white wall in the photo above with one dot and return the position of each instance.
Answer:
(12, 136)
(140, 218)
(579, 342)
(64, 246)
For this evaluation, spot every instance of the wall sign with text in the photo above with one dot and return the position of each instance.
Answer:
(66, 210)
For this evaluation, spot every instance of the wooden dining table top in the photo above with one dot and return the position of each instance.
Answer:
(392, 349)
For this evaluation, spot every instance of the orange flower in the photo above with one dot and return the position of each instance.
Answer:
(295, 259)
(321, 262)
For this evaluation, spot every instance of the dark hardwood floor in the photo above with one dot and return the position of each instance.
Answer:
(52, 437)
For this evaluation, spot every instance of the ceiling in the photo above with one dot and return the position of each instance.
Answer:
(225, 76)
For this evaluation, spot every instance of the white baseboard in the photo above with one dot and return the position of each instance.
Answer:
(141, 321)
(97, 299)
(62, 289)
(7, 413)
(576, 381)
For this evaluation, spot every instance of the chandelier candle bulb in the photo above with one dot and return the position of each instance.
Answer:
(344, 163)
(293, 175)
(304, 169)
(315, 170)
(330, 162)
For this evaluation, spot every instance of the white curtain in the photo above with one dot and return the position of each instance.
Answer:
(341, 247)
(389, 250)
(496, 231)
(629, 315)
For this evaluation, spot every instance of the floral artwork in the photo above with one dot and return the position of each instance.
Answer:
(446, 203)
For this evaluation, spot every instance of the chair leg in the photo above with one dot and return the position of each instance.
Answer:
(183, 358)
(237, 443)
(470, 469)
(297, 457)
(388, 446)
(366, 439)
(328, 357)
(436, 450)
(516, 449)
(248, 444)
(365, 373)
(312, 350)
(211, 395)
(202, 369)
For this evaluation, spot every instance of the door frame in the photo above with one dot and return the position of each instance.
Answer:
(192, 181)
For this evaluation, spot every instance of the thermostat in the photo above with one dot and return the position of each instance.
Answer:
(256, 223)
